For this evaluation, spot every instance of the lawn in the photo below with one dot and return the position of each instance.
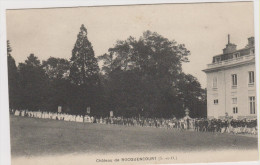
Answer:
(32, 137)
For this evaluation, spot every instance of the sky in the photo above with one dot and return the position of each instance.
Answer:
(202, 27)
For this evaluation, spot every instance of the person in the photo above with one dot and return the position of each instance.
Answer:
(22, 114)
(224, 126)
(17, 113)
(188, 123)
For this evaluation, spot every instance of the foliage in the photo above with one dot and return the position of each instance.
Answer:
(139, 77)
(84, 74)
(33, 82)
(84, 68)
(145, 77)
(12, 79)
(56, 68)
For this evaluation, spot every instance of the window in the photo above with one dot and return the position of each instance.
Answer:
(236, 55)
(252, 104)
(216, 101)
(234, 80)
(234, 100)
(251, 77)
(252, 51)
(215, 82)
(235, 110)
(217, 59)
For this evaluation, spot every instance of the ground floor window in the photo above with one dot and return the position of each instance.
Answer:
(235, 110)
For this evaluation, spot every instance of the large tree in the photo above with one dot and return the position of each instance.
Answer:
(152, 53)
(192, 95)
(57, 71)
(143, 75)
(84, 67)
(34, 84)
(12, 80)
(84, 74)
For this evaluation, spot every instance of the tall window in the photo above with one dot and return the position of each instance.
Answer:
(251, 77)
(215, 82)
(234, 80)
(252, 104)
(216, 101)
(252, 51)
(235, 110)
(234, 100)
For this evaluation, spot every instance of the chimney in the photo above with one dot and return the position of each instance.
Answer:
(229, 47)
(251, 42)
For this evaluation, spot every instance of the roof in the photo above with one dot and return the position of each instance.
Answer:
(227, 56)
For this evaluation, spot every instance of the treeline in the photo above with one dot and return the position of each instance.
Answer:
(138, 77)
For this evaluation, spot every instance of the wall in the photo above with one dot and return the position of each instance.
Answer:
(225, 92)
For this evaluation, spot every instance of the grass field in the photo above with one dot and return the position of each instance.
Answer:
(32, 137)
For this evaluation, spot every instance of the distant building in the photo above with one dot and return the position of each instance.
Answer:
(231, 86)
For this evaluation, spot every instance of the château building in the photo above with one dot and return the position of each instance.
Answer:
(231, 86)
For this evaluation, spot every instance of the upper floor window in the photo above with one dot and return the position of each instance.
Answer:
(234, 100)
(236, 55)
(234, 80)
(252, 51)
(216, 101)
(252, 104)
(217, 59)
(251, 77)
(215, 82)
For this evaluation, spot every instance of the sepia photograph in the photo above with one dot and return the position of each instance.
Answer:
(132, 84)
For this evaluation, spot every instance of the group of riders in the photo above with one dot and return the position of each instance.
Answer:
(227, 125)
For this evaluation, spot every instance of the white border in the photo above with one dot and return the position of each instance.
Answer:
(15, 4)
(5, 157)
(256, 22)
(11, 4)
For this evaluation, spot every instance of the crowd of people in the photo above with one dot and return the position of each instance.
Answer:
(236, 126)
(53, 115)
(228, 125)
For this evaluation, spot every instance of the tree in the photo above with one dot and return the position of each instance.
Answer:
(143, 76)
(192, 95)
(107, 62)
(84, 74)
(84, 67)
(33, 83)
(12, 80)
(57, 70)
(151, 53)
(142, 72)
